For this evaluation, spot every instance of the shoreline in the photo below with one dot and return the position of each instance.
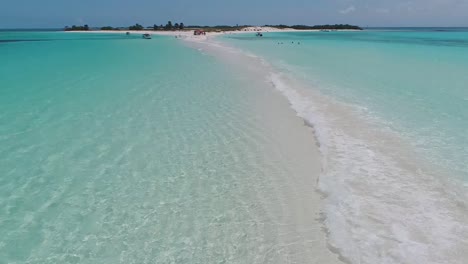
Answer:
(302, 201)
(361, 177)
(372, 172)
(189, 32)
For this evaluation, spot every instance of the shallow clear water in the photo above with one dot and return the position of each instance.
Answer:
(115, 149)
(414, 81)
(389, 110)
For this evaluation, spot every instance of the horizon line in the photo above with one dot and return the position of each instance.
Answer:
(95, 27)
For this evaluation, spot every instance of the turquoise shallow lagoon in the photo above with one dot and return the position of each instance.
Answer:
(413, 80)
(115, 149)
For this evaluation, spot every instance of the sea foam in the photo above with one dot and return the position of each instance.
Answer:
(378, 207)
(382, 203)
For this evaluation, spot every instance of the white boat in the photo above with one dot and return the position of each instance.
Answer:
(146, 36)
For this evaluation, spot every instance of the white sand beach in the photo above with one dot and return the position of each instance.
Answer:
(190, 33)
(298, 206)
(299, 212)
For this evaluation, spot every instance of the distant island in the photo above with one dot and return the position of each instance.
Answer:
(180, 26)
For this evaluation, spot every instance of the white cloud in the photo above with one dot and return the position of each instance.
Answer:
(347, 10)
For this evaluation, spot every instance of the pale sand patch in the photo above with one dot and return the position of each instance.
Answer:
(299, 219)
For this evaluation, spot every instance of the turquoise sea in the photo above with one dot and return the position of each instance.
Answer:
(389, 108)
(414, 80)
(115, 149)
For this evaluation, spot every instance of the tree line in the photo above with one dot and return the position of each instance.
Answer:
(181, 26)
(77, 28)
(319, 27)
(168, 26)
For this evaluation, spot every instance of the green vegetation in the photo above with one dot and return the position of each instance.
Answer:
(218, 28)
(319, 27)
(168, 26)
(136, 27)
(109, 28)
(77, 28)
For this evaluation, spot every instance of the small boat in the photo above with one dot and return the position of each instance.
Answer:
(146, 36)
(259, 34)
(128, 33)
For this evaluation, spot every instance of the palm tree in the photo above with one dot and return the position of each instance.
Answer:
(168, 25)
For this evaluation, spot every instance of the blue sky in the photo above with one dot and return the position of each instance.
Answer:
(58, 13)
